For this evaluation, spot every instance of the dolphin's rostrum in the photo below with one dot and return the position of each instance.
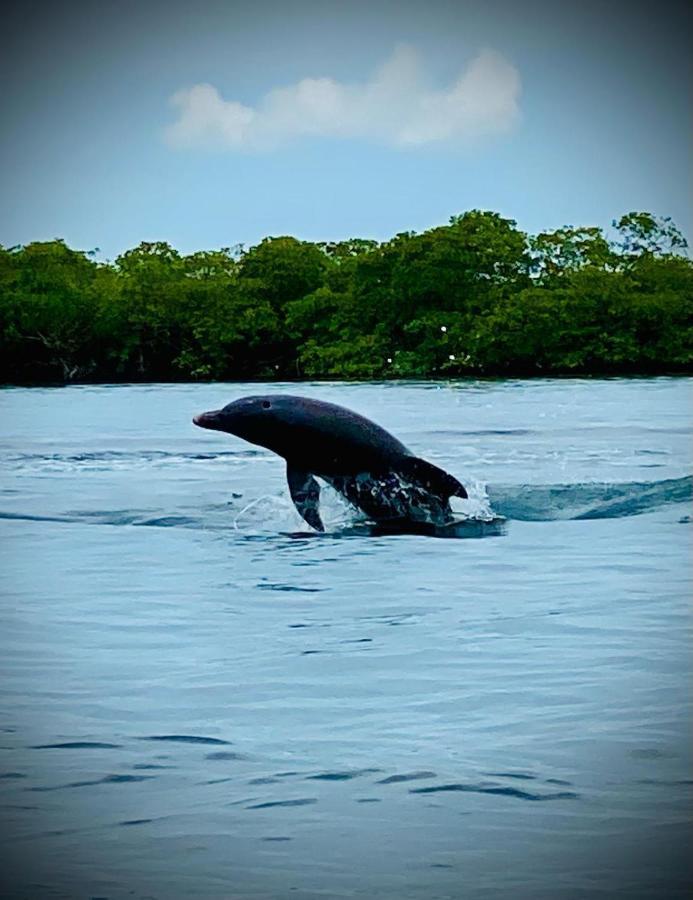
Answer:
(367, 465)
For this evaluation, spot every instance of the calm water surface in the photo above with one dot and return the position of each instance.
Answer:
(200, 698)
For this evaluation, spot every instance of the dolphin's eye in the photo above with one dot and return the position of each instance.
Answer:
(266, 404)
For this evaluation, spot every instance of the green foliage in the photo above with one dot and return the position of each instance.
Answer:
(642, 233)
(556, 254)
(54, 317)
(477, 296)
(283, 269)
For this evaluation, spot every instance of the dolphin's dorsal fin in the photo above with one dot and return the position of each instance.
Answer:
(434, 479)
(305, 492)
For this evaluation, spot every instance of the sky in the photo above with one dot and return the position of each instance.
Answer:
(218, 123)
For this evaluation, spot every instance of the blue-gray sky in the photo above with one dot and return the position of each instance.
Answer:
(213, 123)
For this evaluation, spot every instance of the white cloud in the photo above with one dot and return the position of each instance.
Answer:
(398, 106)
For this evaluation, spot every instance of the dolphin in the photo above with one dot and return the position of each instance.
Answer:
(374, 471)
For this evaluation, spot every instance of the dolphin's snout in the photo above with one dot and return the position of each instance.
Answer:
(208, 419)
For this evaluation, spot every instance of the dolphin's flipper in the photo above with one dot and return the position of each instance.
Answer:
(434, 479)
(305, 492)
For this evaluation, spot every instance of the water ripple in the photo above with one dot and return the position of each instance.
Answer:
(408, 776)
(77, 745)
(107, 779)
(341, 776)
(303, 801)
(500, 791)
(184, 739)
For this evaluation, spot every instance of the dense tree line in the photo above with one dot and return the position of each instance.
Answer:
(476, 296)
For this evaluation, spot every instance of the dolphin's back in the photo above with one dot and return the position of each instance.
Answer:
(331, 437)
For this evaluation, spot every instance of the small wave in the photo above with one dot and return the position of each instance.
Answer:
(288, 588)
(185, 739)
(115, 459)
(303, 801)
(31, 517)
(545, 503)
(117, 517)
(169, 521)
(227, 756)
(77, 745)
(498, 790)
(407, 776)
(341, 776)
(107, 779)
(481, 432)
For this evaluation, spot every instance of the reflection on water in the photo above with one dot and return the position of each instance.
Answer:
(225, 704)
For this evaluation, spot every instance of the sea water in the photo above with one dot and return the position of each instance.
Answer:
(203, 698)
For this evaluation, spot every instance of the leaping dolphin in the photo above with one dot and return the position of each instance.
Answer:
(368, 466)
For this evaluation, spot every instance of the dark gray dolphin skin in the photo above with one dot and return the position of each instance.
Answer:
(367, 465)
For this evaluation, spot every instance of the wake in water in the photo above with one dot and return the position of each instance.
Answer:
(113, 460)
(549, 502)
(483, 514)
